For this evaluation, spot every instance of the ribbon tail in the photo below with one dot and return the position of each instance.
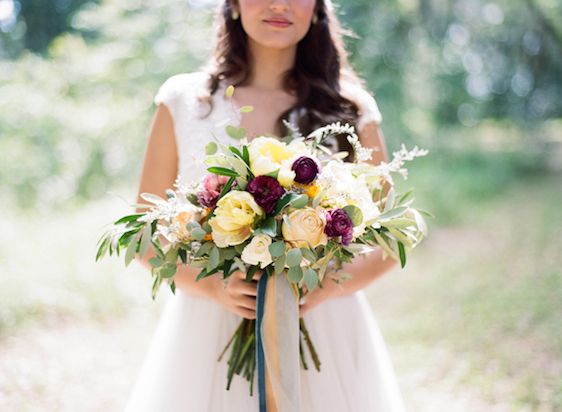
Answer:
(260, 358)
(278, 331)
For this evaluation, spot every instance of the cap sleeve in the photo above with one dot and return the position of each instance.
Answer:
(175, 92)
(368, 107)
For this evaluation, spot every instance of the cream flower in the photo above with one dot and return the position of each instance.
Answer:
(234, 216)
(305, 227)
(268, 155)
(257, 251)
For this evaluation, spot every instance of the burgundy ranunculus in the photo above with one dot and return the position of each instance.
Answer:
(212, 186)
(338, 223)
(266, 191)
(306, 169)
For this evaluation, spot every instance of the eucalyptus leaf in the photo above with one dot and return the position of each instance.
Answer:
(294, 274)
(294, 257)
(277, 249)
(279, 265)
(204, 249)
(198, 233)
(214, 257)
(310, 279)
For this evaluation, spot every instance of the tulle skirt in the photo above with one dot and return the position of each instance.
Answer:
(180, 372)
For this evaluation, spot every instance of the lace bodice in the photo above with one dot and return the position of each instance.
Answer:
(181, 95)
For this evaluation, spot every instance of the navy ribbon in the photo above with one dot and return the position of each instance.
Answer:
(260, 359)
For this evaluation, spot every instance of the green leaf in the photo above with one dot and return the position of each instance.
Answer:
(204, 249)
(131, 251)
(228, 253)
(294, 274)
(226, 187)
(198, 233)
(389, 202)
(214, 257)
(294, 257)
(237, 133)
(183, 255)
(156, 262)
(311, 279)
(246, 109)
(146, 239)
(273, 174)
(246, 154)
(354, 214)
(284, 201)
(300, 202)
(277, 248)
(173, 287)
(102, 249)
(269, 227)
(235, 150)
(392, 213)
(211, 148)
(279, 265)
(128, 218)
(222, 171)
(402, 254)
(405, 196)
(250, 273)
(309, 255)
(168, 271)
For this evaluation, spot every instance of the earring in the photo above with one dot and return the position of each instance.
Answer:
(315, 18)
(235, 15)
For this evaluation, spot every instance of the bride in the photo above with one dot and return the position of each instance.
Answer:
(286, 59)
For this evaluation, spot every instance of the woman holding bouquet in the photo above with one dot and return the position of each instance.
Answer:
(286, 59)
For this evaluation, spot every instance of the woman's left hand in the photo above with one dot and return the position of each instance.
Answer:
(330, 289)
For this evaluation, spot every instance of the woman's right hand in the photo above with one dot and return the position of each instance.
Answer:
(239, 296)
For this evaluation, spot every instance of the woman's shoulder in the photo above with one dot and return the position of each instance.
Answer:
(181, 85)
(355, 91)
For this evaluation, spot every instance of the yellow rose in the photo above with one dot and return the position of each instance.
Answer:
(234, 216)
(305, 227)
(257, 251)
(268, 155)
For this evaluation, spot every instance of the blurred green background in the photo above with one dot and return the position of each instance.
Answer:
(474, 321)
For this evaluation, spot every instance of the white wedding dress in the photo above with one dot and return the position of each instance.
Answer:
(180, 372)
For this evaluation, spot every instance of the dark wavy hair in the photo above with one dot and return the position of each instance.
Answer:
(321, 62)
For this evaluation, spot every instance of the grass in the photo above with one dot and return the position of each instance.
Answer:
(472, 323)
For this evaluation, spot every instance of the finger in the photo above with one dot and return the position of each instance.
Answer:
(248, 289)
(246, 302)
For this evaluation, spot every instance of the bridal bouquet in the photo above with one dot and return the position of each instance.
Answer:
(290, 208)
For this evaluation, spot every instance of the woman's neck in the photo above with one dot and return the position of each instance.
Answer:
(269, 66)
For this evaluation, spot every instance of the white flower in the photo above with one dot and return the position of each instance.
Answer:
(257, 251)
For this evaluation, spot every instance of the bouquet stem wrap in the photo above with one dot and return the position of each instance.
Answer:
(278, 357)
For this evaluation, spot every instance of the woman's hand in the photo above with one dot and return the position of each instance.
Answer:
(330, 289)
(239, 296)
